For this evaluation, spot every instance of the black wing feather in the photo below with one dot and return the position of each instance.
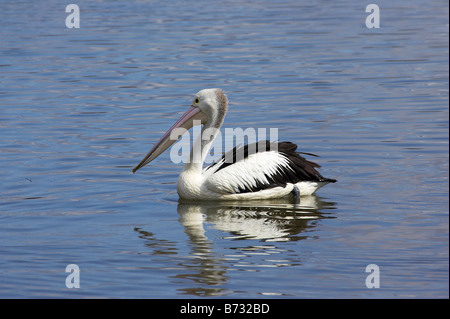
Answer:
(300, 169)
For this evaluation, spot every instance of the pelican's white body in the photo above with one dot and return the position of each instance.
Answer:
(211, 185)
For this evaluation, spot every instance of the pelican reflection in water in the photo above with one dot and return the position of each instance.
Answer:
(251, 236)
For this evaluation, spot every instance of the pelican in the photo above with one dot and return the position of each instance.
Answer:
(265, 170)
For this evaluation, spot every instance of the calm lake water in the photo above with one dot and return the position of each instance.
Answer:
(80, 107)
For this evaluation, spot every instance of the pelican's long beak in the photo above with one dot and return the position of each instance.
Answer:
(186, 122)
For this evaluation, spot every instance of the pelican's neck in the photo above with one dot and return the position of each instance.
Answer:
(202, 145)
(191, 179)
(215, 115)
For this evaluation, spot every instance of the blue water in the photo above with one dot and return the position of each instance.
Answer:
(80, 107)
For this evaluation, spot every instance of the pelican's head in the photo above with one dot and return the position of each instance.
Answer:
(208, 107)
(213, 103)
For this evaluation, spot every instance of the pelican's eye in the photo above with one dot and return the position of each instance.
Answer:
(196, 101)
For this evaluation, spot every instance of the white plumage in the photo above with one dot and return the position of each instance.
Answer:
(246, 173)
